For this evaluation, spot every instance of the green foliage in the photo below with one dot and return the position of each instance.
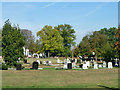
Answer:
(29, 40)
(67, 32)
(101, 42)
(57, 41)
(50, 40)
(12, 44)
(4, 67)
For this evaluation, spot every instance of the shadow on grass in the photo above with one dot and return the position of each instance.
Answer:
(108, 87)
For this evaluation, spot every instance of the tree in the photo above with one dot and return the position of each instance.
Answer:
(101, 42)
(67, 32)
(29, 40)
(12, 44)
(117, 43)
(50, 40)
(107, 52)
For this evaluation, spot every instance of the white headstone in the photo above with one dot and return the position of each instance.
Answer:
(58, 60)
(68, 61)
(38, 61)
(47, 62)
(24, 50)
(100, 65)
(81, 60)
(88, 63)
(40, 55)
(65, 66)
(50, 62)
(75, 60)
(104, 64)
(110, 65)
(95, 66)
(116, 62)
(27, 52)
(73, 64)
(44, 62)
(85, 66)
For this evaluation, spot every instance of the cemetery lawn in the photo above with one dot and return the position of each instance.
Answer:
(100, 78)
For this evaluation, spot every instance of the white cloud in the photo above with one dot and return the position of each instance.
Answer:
(48, 5)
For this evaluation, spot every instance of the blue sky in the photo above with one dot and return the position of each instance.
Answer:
(84, 17)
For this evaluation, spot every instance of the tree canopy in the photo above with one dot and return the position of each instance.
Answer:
(12, 44)
(67, 33)
(50, 40)
(101, 42)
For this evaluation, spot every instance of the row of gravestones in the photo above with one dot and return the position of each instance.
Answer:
(66, 66)
(72, 64)
(34, 66)
(84, 66)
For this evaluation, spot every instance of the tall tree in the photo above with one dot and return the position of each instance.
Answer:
(29, 40)
(12, 44)
(50, 40)
(67, 32)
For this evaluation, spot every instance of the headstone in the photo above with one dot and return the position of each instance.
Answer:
(58, 60)
(27, 52)
(88, 64)
(40, 55)
(24, 51)
(50, 62)
(47, 62)
(25, 61)
(110, 65)
(85, 66)
(65, 61)
(95, 66)
(73, 65)
(44, 62)
(104, 64)
(38, 61)
(65, 66)
(18, 67)
(75, 60)
(68, 61)
(116, 62)
(81, 65)
(100, 65)
(35, 65)
(69, 65)
(81, 60)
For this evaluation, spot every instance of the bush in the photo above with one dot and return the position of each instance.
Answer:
(4, 67)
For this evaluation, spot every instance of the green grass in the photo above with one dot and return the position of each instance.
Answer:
(51, 78)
